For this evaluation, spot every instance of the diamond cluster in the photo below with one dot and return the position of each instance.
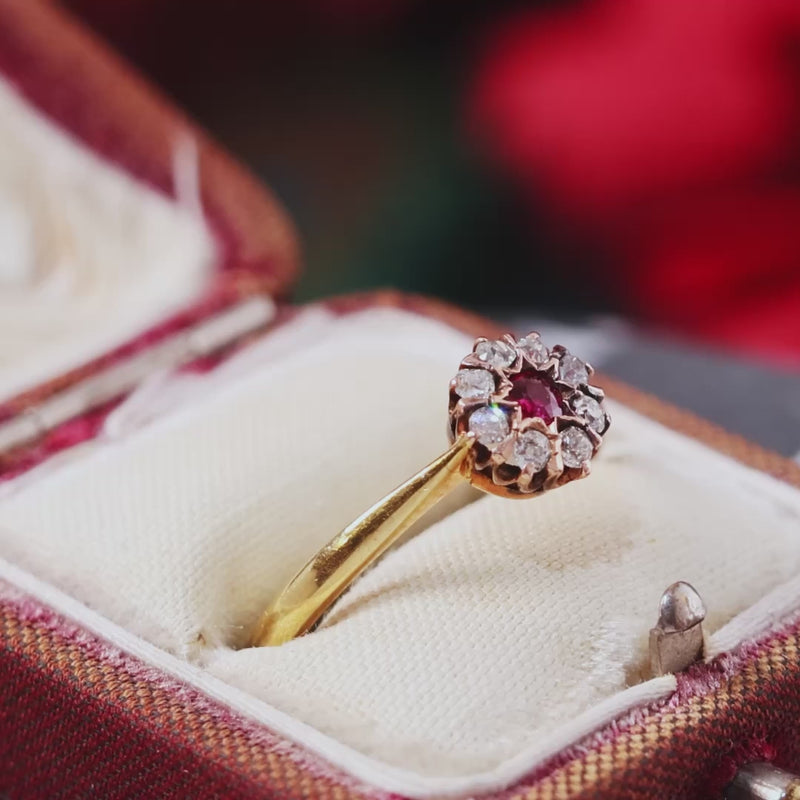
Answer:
(536, 420)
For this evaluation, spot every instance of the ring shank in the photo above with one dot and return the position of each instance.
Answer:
(331, 571)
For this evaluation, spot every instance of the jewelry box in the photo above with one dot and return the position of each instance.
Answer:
(500, 652)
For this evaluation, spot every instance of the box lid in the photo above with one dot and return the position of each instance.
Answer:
(72, 78)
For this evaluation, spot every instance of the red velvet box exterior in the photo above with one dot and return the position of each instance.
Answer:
(79, 718)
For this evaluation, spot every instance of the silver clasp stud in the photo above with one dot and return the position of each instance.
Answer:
(677, 639)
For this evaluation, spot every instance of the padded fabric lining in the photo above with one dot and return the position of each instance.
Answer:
(89, 257)
(471, 644)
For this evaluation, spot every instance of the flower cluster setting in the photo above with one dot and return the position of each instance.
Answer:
(535, 419)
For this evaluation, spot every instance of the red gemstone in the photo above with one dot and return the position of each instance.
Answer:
(537, 395)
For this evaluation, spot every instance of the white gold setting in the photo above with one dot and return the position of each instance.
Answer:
(536, 420)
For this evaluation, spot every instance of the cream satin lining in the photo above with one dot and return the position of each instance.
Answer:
(89, 257)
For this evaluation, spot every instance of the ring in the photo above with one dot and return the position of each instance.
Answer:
(524, 419)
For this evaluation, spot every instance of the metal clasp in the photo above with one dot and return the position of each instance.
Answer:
(762, 781)
(677, 639)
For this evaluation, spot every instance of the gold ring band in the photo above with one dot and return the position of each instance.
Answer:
(323, 579)
(523, 420)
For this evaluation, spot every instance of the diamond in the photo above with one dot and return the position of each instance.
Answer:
(588, 408)
(474, 383)
(530, 447)
(537, 395)
(534, 349)
(576, 447)
(490, 426)
(572, 370)
(495, 354)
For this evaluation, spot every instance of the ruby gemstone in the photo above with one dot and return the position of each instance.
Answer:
(537, 395)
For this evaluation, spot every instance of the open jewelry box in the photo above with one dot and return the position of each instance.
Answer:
(500, 652)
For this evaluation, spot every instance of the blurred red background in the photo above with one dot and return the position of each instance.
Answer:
(635, 156)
